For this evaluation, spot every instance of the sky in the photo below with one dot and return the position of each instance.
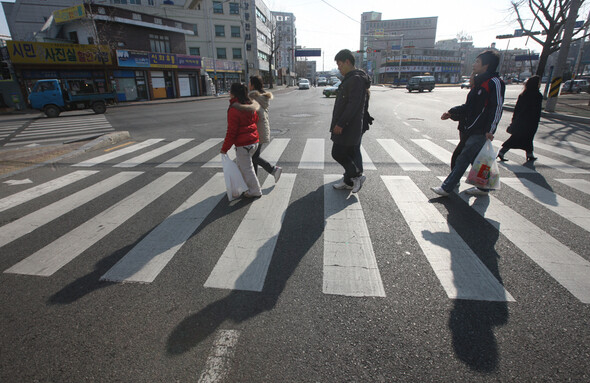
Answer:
(335, 24)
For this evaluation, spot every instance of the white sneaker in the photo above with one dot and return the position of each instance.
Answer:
(357, 183)
(476, 192)
(277, 173)
(440, 191)
(342, 186)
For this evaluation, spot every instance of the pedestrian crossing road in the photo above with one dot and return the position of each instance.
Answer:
(350, 264)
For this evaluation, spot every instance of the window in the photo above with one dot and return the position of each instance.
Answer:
(234, 8)
(90, 40)
(237, 53)
(157, 21)
(260, 15)
(196, 29)
(247, 26)
(221, 53)
(150, 2)
(136, 16)
(74, 37)
(248, 47)
(159, 43)
(101, 11)
(217, 7)
(43, 86)
(136, 2)
(247, 36)
(195, 51)
(235, 31)
(220, 31)
(262, 56)
(178, 24)
(120, 1)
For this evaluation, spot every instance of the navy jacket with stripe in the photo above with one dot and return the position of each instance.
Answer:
(482, 110)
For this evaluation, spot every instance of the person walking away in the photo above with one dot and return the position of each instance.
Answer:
(482, 111)
(525, 120)
(347, 121)
(242, 132)
(262, 97)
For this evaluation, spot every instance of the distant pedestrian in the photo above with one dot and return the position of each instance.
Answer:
(347, 120)
(262, 97)
(482, 110)
(525, 120)
(242, 132)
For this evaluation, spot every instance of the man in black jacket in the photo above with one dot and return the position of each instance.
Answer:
(347, 121)
(481, 114)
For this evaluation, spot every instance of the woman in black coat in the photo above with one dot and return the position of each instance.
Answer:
(525, 120)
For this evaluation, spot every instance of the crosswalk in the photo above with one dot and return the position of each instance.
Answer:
(350, 264)
(71, 127)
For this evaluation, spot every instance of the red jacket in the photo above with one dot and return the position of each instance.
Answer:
(241, 124)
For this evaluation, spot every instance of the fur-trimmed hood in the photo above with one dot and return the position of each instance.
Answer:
(262, 98)
(253, 107)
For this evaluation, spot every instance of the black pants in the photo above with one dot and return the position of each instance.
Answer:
(458, 149)
(257, 160)
(346, 156)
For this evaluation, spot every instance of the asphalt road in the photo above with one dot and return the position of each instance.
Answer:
(61, 323)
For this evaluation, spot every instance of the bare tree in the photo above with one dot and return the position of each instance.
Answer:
(275, 45)
(551, 16)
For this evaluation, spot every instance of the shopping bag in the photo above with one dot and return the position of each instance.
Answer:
(484, 172)
(234, 182)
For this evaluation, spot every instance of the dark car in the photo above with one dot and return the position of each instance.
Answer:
(332, 90)
(421, 83)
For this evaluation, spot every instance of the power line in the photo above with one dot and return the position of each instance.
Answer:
(324, 1)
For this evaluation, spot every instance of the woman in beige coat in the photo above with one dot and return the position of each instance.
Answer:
(262, 97)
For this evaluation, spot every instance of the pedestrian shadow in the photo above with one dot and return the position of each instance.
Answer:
(537, 179)
(472, 322)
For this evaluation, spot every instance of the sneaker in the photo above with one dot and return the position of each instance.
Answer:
(476, 192)
(440, 191)
(342, 186)
(277, 173)
(357, 183)
(247, 194)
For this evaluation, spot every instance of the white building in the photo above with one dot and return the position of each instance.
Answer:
(286, 36)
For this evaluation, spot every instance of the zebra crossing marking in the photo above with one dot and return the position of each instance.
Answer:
(367, 162)
(273, 151)
(149, 257)
(47, 187)
(461, 273)
(573, 212)
(350, 267)
(38, 218)
(400, 155)
(216, 161)
(566, 153)
(219, 360)
(313, 154)
(57, 254)
(184, 157)
(562, 264)
(581, 185)
(436, 151)
(153, 153)
(119, 153)
(245, 261)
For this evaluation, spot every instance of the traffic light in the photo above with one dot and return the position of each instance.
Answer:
(376, 50)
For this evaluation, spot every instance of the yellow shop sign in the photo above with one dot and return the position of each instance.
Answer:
(27, 52)
(67, 14)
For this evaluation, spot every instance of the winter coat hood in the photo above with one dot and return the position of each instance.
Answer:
(262, 98)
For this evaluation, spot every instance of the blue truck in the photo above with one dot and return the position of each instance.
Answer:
(55, 96)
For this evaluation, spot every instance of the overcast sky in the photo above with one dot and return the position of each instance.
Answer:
(335, 24)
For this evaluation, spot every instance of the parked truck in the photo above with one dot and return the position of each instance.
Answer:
(55, 96)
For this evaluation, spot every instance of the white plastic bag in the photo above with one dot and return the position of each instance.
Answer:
(234, 182)
(484, 172)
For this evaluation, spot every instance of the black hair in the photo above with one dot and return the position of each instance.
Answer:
(532, 84)
(256, 82)
(344, 55)
(240, 92)
(491, 59)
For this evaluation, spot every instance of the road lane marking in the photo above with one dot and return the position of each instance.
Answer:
(149, 257)
(581, 185)
(215, 162)
(244, 262)
(367, 162)
(400, 155)
(562, 152)
(119, 153)
(313, 154)
(273, 151)
(37, 191)
(184, 157)
(461, 273)
(57, 254)
(119, 146)
(219, 360)
(350, 267)
(153, 153)
(28, 223)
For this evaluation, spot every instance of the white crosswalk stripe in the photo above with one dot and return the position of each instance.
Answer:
(400, 155)
(119, 153)
(313, 154)
(190, 154)
(153, 154)
(63, 128)
(581, 185)
(563, 152)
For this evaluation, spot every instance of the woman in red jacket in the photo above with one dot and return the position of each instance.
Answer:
(242, 132)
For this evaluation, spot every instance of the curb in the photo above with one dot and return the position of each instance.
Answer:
(555, 116)
(97, 143)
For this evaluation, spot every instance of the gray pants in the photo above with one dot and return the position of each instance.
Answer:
(244, 160)
(471, 149)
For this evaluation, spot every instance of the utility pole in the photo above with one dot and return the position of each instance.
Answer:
(562, 58)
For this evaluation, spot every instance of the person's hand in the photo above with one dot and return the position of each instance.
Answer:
(222, 152)
(490, 136)
(337, 130)
(445, 116)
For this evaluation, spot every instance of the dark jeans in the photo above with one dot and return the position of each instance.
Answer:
(473, 145)
(458, 149)
(347, 157)
(257, 160)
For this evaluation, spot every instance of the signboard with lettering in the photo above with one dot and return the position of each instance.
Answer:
(27, 52)
(186, 61)
(133, 59)
(308, 52)
(162, 60)
(68, 14)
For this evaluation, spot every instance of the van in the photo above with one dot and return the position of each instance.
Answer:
(420, 83)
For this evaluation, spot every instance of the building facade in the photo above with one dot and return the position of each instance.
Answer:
(286, 38)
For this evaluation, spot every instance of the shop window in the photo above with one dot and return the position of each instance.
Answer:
(220, 31)
(237, 53)
(217, 7)
(235, 31)
(81, 86)
(74, 37)
(234, 8)
(136, 2)
(157, 21)
(221, 53)
(159, 43)
(90, 40)
(178, 24)
(195, 51)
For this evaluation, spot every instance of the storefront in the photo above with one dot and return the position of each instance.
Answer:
(223, 72)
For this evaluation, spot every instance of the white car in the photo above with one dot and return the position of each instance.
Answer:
(304, 83)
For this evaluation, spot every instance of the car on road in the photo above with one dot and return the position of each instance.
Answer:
(578, 86)
(332, 90)
(322, 81)
(334, 80)
(465, 84)
(304, 83)
(420, 83)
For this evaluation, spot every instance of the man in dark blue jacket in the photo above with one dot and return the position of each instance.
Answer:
(481, 114)
(347, 121)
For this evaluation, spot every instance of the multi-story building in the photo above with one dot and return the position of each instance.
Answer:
(286, 37)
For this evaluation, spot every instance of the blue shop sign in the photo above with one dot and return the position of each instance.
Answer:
(133, 59)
